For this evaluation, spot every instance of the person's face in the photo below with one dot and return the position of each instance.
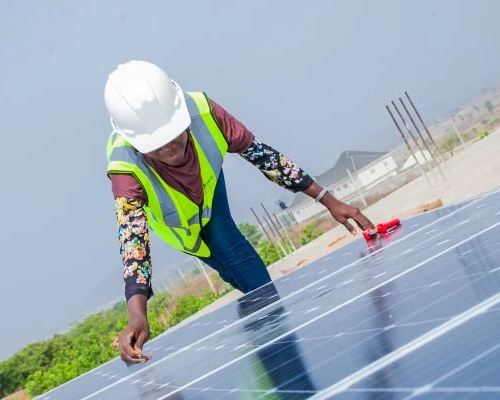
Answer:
(172, 153)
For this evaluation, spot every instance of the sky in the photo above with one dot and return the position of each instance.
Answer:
(310, 78)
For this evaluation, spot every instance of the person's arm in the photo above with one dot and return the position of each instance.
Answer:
(286, 173)
(276, 167)
(280, 169)
(133, 236)
(340, 211)
(271, 163)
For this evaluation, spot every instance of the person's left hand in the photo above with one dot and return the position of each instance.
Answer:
(343, 212)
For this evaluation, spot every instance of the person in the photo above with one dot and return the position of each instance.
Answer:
(165, 155)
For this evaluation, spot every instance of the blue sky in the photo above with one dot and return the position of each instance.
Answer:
(309, 78)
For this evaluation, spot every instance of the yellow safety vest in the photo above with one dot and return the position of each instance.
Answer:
(172, 216)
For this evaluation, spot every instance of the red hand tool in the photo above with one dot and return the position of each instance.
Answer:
(381, 228)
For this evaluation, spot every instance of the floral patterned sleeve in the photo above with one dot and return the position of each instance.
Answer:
(276, 167)
(134, 246)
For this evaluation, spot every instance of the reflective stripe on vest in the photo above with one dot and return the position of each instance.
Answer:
(171, 215)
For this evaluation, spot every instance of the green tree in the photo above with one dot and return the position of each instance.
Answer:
(449, 144)
(251, 233)
(36, 356)
(489, 106)
(41, 366)
(267, 252)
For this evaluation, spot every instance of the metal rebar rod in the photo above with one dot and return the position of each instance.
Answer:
(278, 241)
(274, 225)
(284, 231)
(408, 145)
(422, 138)
(428, 133)
(182, 275)
(399, 129)
(403, 120)
(420, 118)
(265, 231)
(207, 277)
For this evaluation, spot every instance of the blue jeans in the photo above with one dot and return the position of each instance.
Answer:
(232, 256)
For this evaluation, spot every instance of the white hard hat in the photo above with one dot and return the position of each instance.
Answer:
(146, 107)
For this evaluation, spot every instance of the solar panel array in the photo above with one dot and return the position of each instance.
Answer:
(415, 313)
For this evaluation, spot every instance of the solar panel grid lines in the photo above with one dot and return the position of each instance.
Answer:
(277, 390)
(315, 282)
(477, 339)
(351, 280)
(212, 371)
(405, 350)
(283, 341)
(430, 386)
(399, 324)
(310, 368)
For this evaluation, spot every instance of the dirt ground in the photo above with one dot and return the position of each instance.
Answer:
(21, 395)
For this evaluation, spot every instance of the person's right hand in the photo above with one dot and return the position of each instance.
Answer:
(136, 333)
(132, 338)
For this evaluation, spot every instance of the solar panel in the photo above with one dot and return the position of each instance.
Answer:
(412, 314)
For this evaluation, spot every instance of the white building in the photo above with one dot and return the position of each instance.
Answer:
(423, 157)
(353, 170)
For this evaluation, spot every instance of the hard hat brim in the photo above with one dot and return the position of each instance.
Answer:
(150, 141)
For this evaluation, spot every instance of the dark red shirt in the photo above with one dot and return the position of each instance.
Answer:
(186, 178)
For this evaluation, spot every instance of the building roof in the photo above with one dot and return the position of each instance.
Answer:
(352, 160)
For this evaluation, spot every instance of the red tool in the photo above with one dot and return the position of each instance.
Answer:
(381, 228)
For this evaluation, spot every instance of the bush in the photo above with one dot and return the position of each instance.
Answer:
(489, 106)
(267, 252)
(251, 233)
(158, 314)
(88, 345)
(15, 371)
(188, 305)
(44, 365)
(449, 143)
(483, 134)
(309, 234)
(82, 354)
